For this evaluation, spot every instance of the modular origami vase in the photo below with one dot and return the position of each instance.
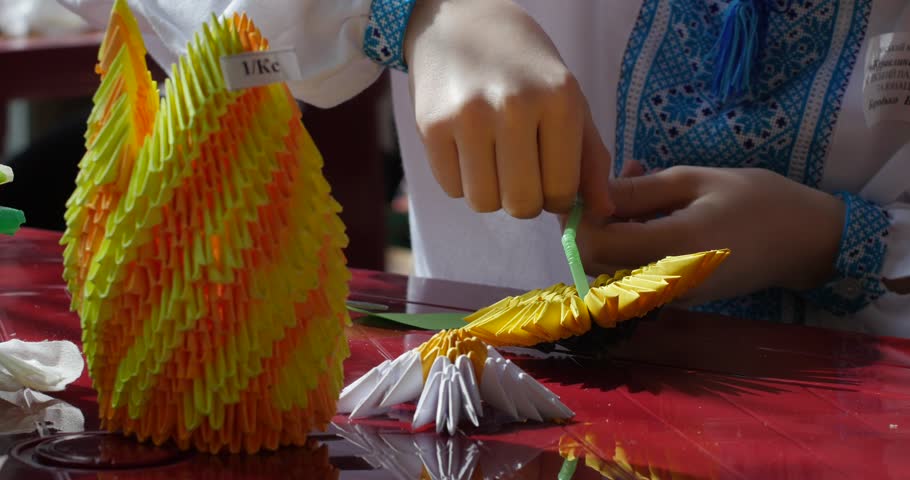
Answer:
(204, 252)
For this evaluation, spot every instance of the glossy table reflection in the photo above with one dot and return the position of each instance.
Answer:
(688, 396)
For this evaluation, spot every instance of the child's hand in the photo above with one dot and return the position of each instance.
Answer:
(780, 233)
(504, 122)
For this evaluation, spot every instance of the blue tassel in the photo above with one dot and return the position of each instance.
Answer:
(741, 39)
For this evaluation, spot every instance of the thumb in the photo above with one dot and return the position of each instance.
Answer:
(596, 163)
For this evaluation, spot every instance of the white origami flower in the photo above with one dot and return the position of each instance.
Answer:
(450, 393)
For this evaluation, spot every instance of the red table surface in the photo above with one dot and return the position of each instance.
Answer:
(687, 396)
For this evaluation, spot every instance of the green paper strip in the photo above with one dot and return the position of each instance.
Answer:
(423, 321)
(10, 220)
(570, 246)
(568, 469)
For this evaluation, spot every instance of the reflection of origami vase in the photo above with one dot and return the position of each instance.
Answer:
(307, 461)
(203, 253)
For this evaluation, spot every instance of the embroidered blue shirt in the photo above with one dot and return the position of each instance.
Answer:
(667, 115)
(383, 40)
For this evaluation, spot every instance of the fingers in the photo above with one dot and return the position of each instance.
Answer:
(477, 162)
(632, 243)
(443, 155)
(595, 172)
(533, 151)
(560, 137)
(647, 195)
(517, 164)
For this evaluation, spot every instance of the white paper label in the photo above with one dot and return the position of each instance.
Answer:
(886, 88)
(254, 69)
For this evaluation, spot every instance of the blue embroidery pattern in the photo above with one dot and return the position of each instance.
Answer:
(383, 40)
(862, 254)
(667, 115)
(764, 305)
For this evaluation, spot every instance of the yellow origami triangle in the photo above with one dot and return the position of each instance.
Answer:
(539, 316)
(633, 294)
(452, 344)
(204, 253)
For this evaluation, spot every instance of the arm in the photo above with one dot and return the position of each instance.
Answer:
(504, 122)
(780, 233)
(844, 253)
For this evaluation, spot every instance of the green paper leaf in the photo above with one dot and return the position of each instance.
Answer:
(10, 220)
(423, 321)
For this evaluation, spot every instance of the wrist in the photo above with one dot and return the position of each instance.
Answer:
(421, 17)
(856, 281)
(816, 257)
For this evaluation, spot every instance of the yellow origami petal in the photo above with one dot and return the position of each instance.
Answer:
(538, 316)
(557, 313)
(633, 294)
(452, 344)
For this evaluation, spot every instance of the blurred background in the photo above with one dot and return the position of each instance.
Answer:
(47, 78)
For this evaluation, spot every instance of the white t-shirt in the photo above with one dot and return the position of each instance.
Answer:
(452, 242)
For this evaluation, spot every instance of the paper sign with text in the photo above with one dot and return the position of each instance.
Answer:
(254, 69)
(886, 87)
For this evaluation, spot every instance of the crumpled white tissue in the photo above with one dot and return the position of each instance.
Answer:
(19, 18)
(26, 369)
(26, 410)
(47, 366)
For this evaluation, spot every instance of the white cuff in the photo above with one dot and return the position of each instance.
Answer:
(897, 258)
(890, 314)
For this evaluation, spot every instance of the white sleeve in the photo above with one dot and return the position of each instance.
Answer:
(889, 314)
(328, 36)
